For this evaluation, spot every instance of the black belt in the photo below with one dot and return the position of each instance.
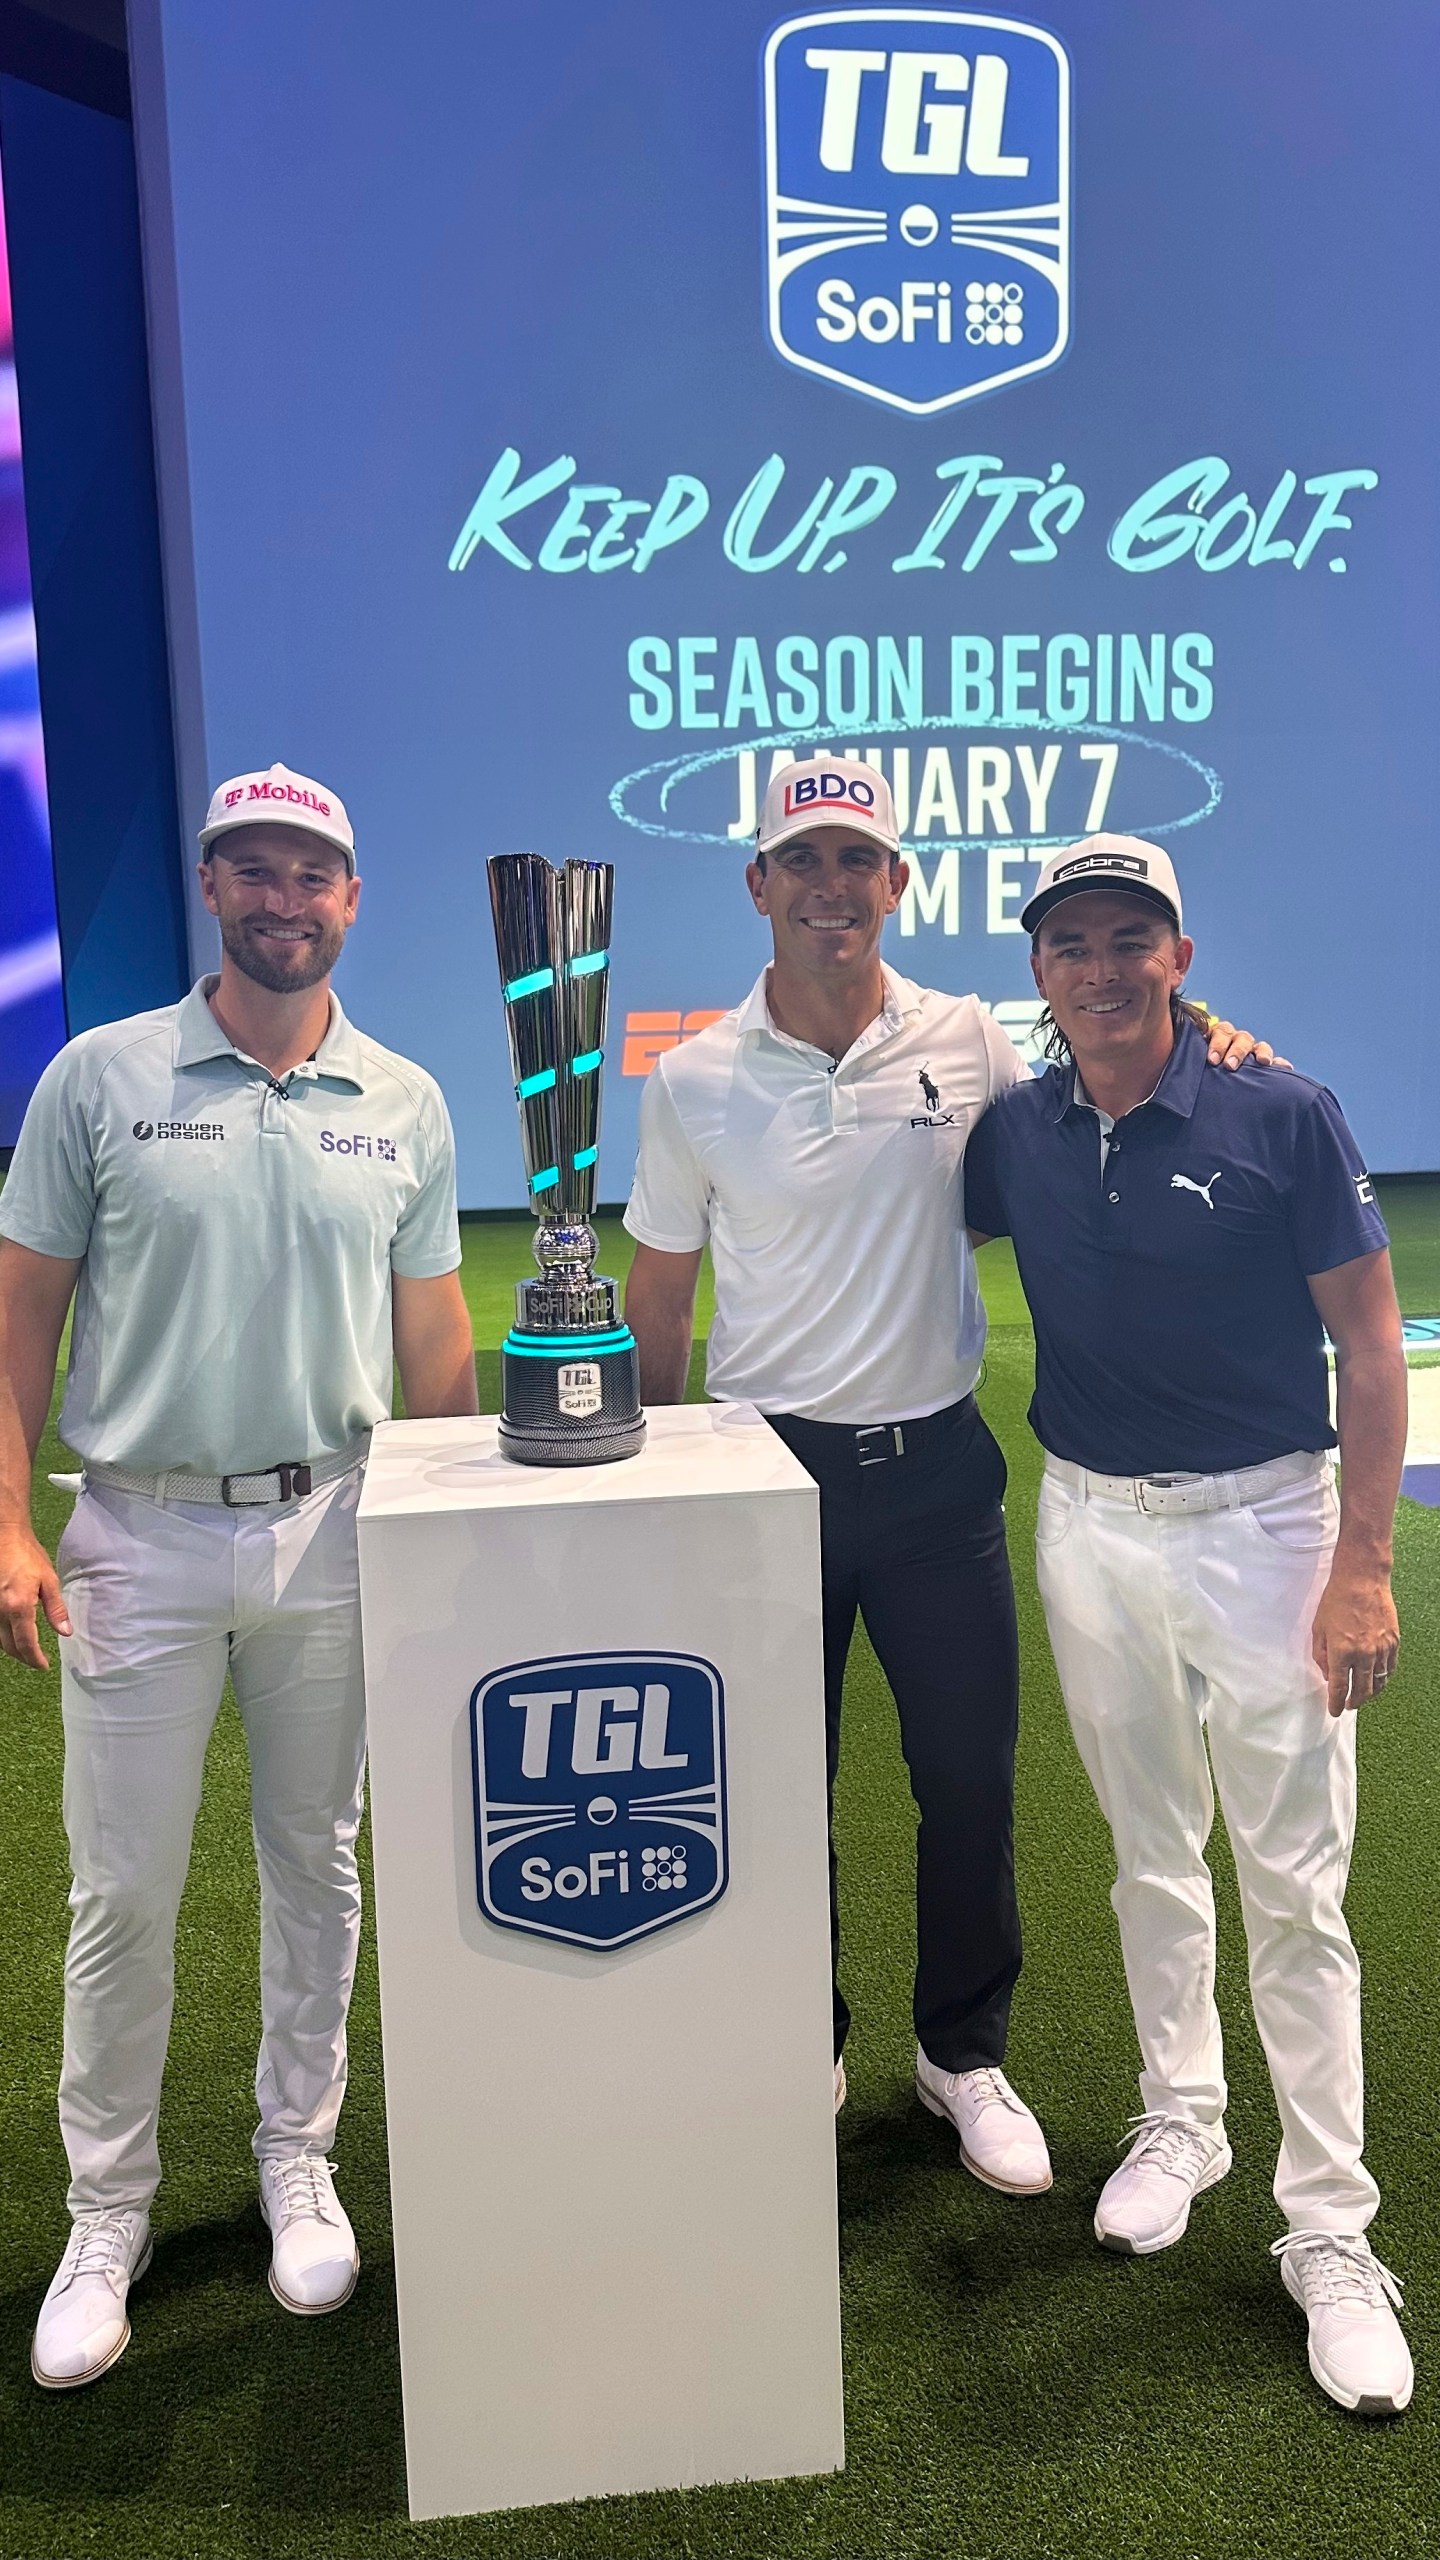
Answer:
(872, 1444)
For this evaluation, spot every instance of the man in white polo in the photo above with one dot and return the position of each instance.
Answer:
(254, 1207)
(814, 1138)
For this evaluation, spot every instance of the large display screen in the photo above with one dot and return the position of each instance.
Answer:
(32, 1010)
(585, 409)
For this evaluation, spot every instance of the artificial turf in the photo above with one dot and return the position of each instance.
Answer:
(1012, 2393)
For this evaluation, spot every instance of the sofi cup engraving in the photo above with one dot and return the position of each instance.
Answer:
(600, 1810)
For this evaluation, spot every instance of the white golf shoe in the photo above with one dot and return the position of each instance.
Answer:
(1357, 2346)
(839, 2086)
(84, 2326)
(1001, 2143)
(1145, 2204)
(314, 2262)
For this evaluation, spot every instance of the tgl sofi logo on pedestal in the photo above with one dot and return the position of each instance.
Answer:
(599, 1794)
(917, 181)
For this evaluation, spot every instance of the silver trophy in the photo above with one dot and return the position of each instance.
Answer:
(570, 1368)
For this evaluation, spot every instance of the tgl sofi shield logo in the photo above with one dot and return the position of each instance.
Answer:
(599, 1794)
(917, 180)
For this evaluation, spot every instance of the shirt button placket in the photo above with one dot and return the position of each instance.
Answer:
(844, 1108)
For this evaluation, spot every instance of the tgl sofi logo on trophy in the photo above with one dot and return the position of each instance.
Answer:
(917, 183)
(599, 1794)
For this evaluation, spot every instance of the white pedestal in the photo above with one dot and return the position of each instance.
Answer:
(612, 2167)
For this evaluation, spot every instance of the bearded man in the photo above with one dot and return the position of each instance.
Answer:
(253, 1206)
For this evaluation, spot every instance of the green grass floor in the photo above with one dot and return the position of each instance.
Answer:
(1012, 2393)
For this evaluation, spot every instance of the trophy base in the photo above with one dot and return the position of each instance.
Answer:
(571, 1404)
(530, 1447)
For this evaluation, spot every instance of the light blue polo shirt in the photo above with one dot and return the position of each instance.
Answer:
(237, 1235)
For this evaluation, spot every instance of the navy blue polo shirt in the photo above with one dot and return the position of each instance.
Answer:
(1174, 1331)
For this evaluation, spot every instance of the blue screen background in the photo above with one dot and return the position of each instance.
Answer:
(545, 231)
(32, 1009)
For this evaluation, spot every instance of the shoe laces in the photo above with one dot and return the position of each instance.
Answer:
(1340, 2270)
(100, 2243)
(987, 2086)
(306, 2183)
(1166, 2142)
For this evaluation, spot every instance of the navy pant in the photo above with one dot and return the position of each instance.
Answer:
(916, 1544)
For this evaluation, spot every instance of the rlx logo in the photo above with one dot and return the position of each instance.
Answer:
(917, 180)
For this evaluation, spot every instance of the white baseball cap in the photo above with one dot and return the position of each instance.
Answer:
(279, 798)
(1106, 862)
(827, 791)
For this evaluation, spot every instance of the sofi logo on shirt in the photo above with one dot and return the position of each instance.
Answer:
(334, 1142)
(599, 1780)
(917, 201)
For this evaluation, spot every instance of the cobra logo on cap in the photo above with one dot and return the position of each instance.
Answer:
(1134, 863)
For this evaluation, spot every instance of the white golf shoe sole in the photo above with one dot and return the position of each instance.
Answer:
(1125, 2247)
(987, 2177)
(1362, 2404)
(316, 2310)
(92, 2373)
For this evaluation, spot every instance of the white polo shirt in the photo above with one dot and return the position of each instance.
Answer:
(237, 1235)
(832, 1200)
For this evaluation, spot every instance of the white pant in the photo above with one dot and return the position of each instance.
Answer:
(1164, 1628)
(166, 1598)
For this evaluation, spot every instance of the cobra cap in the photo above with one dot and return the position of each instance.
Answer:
(827, 791)
(1127, 863)
(279, 798)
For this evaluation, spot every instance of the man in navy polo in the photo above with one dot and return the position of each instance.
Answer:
(1185, 1241)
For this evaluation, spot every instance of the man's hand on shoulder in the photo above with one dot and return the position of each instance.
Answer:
(1231, 1048)
(1357, 1634)
(28, 1583)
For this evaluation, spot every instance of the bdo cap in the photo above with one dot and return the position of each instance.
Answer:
(1106, 862)
(279, 798)
(827, 791)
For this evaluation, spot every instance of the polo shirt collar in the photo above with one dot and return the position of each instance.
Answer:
(198, 1037)
(901, 999)
(1178, 1089)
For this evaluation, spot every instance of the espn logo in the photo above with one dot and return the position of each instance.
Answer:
(648, 1034)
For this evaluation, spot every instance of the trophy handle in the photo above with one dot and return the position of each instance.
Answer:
(583, 894)
(521, 904)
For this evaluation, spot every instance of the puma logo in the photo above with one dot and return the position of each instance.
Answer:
(1182, 1182)
(930, 1090)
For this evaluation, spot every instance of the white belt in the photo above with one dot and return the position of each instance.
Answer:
(1180, 1493)
(244, 1490)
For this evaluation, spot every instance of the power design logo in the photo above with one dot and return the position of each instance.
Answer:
(210, 1130)
(917, 181)
(599, 1794)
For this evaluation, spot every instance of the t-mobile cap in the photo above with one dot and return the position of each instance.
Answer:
(279, 798)
(827, 791)
(1106, 862)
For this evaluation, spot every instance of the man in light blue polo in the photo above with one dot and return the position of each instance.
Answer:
(254, 1207)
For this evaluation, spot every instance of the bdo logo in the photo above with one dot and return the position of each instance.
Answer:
(917, 183)
(599, 1794)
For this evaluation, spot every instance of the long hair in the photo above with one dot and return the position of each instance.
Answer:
(1055, 1046)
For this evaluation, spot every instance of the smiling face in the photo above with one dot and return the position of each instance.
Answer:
(827, 895)
(285, 901)
(1107, 966)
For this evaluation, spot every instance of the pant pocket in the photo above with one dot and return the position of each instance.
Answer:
(1301, 1519)
(1055, 1515)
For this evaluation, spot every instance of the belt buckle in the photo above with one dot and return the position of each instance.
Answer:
(889, 1435)
(293, 1478)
